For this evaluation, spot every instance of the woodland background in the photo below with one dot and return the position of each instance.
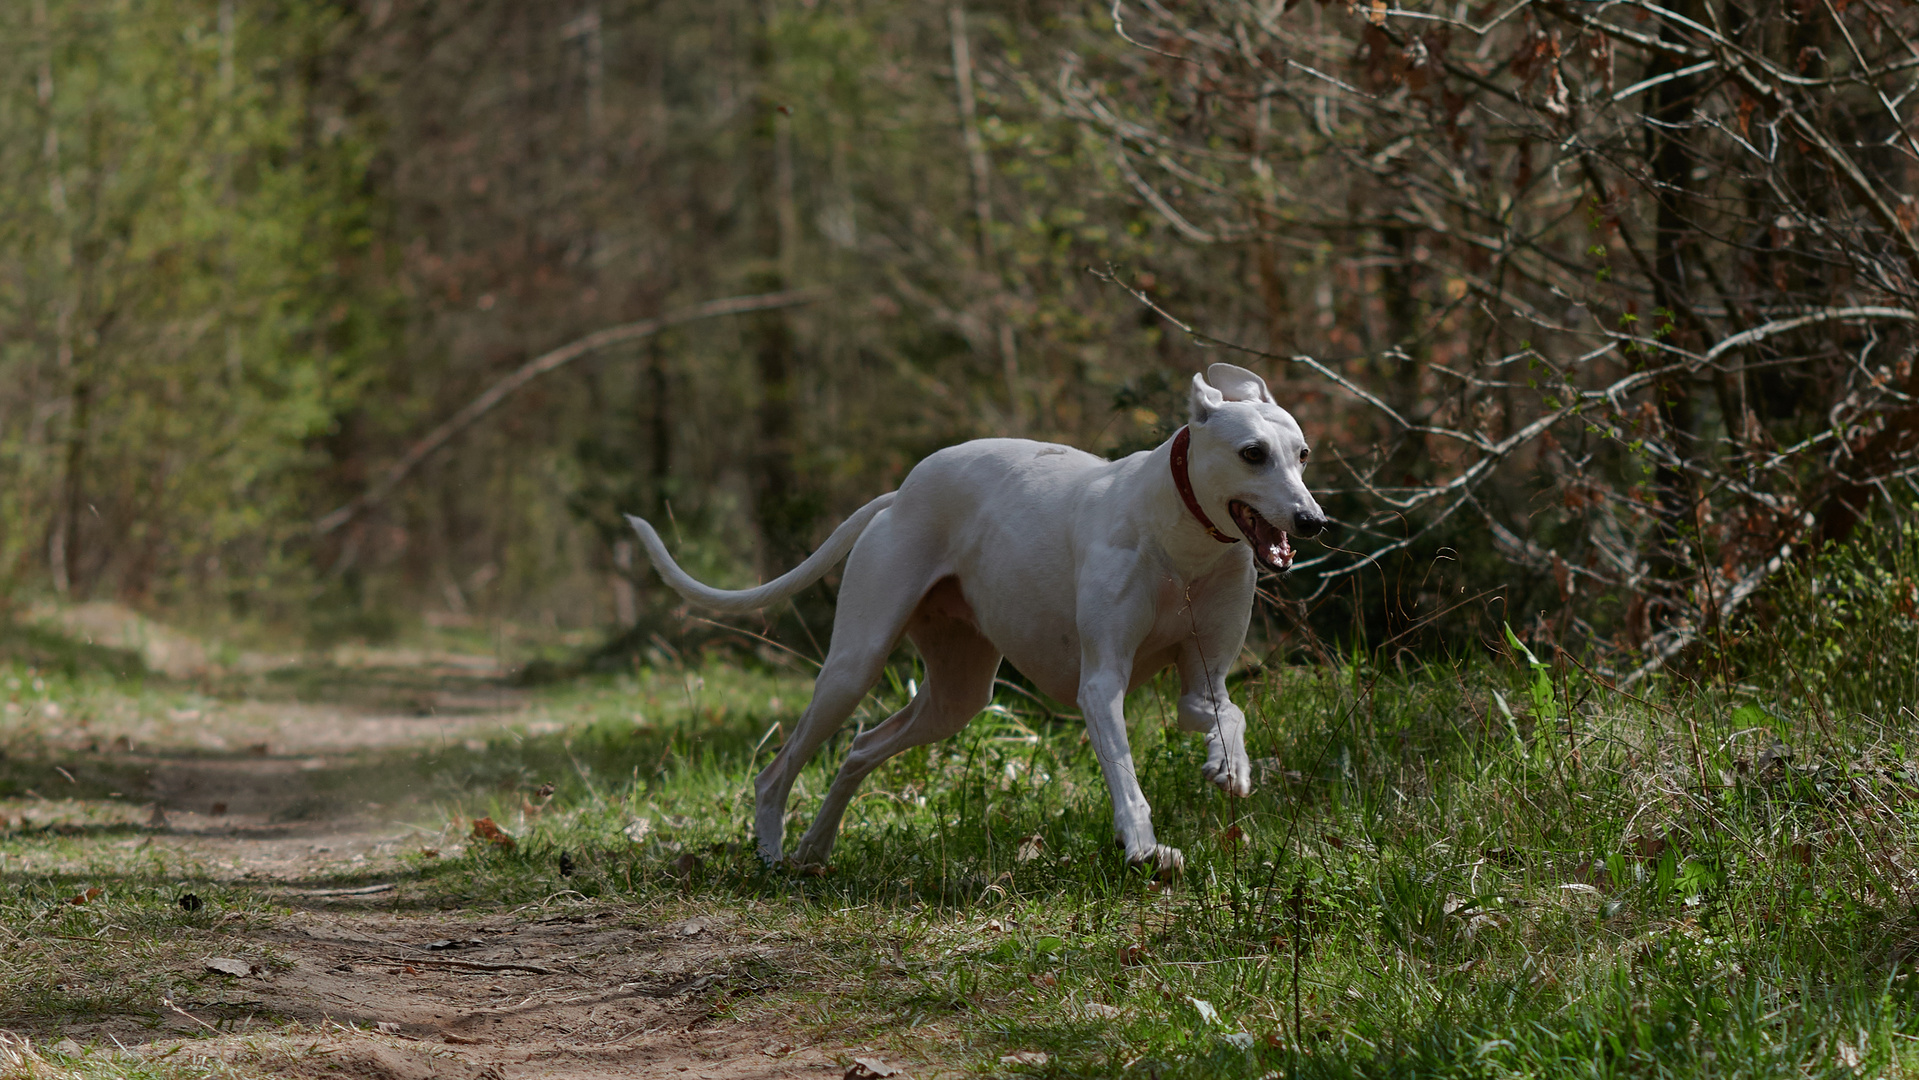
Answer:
(1599, 315)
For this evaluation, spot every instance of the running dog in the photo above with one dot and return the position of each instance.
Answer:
(1090, 576)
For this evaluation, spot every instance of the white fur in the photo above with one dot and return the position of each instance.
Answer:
(1090, 576)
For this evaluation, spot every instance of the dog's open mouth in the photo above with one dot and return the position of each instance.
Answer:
(1271, 546)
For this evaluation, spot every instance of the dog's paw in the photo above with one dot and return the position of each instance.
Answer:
(811, 851)
(1163, 861)
(1231, 772)
(1235, 782)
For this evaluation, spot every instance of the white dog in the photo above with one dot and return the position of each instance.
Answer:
(1090, 576)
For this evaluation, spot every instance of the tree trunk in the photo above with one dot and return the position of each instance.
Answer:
(781, 512)
(1671, 177)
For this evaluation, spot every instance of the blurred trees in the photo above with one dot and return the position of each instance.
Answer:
(1625, 289)
(177, 316)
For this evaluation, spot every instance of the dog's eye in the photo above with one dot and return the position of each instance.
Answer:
(1304, 453)
(1253, 455)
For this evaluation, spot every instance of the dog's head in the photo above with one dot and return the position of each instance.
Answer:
(1247, 459)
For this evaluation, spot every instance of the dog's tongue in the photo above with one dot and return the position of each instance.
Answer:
(1271, 546)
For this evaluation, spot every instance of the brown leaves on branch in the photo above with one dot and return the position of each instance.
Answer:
(1635, 288)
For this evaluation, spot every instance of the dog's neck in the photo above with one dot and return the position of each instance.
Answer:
(1182, 441)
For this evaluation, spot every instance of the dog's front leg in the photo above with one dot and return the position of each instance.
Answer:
(1224, 725)
(1204, 707)
(1220, 612)
(1108, 640)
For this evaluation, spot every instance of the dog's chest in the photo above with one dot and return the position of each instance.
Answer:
(1175, 614)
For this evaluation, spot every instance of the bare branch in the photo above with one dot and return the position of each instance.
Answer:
(533, 369)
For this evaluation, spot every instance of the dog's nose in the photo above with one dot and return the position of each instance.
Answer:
(1308, 523)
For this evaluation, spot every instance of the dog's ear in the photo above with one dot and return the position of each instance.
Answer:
(1237, 384)
(1205, 399)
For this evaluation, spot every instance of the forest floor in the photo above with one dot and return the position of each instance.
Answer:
(279, 818)
(385, 864)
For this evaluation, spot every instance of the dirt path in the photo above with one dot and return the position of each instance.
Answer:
(361, 993)
(261, 795)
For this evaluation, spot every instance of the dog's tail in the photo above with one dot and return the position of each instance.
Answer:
(738, 601)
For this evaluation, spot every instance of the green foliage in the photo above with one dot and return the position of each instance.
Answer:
(181, 240)
(1540, 687)
(1838, 636)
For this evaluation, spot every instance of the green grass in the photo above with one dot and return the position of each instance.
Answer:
(1492, 868)
(1464, 894)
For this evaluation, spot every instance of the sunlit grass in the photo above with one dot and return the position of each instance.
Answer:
(1492, 868)
(1468, 887)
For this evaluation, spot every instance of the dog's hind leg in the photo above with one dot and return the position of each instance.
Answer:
(885, 579)
(960, 664)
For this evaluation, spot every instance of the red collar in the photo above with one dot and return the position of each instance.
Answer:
(1181, 440)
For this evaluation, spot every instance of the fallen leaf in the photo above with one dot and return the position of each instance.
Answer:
(85, 897)
(867, 1068)
(1505, 856)
(387, 1027)
(239, 969)
(1207, 1014)
(484, 829)
(691, 929)
(1101, 1011)
(1032, 1058)
(429, 853)
(1029, 848)
(1491, 920)
(637, 829)
(461, 1040)
(777, 1049)
(1241, 1040)
(1232, 838)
